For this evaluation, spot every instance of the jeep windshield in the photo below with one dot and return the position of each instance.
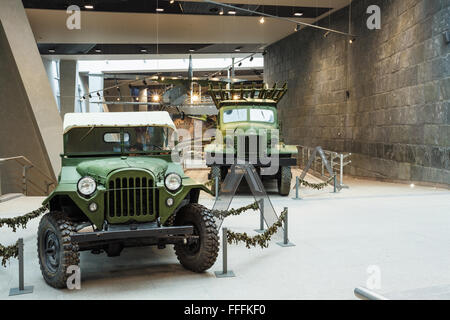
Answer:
(253, 114)
(114, 140)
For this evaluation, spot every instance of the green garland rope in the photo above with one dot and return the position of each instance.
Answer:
(234, 212)
(21, 221)
(12, 251)
(261, 240)
(316, 186)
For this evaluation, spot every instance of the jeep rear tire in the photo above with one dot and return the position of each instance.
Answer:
(56, 252)
(199, 255)
(284, 181)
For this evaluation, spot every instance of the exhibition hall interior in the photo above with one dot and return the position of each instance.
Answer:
(225, 150)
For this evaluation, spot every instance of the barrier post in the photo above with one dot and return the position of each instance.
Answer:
(225, 273)
(286, 242)
(297, 187)
(261, 217)
(22, 289)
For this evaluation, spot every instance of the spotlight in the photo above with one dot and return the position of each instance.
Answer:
(195, 98)
(89, 6)
(159, 10)
(221, 12)
(143, 50)
(326, 34)
(251, 58)
(298, 14)
(98, 94)
(232, 12)
(51, 50)
(235, 97)
(353, 40)
(90, 96)
(262, 20)
(192, 50)
(240, 64)
(98, 50)
(172, 1)
(238, 49)
(155, 98)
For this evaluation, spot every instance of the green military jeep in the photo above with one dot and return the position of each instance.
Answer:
(246, 114)
(118, 188)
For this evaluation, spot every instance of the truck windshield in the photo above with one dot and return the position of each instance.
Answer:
(235, 115)
(255, 114)
(104, 140)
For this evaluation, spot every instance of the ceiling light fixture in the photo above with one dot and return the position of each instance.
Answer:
(231, 12)
(238, 49)
(89, 6)
(143, 50)
(298, 14)
(98, 50)
(51, 50)
(159, 10)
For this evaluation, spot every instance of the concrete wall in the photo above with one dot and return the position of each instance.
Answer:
(385, 98)
(29, 120)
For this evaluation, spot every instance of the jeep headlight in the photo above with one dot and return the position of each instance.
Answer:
(172, 181)
(87, 186)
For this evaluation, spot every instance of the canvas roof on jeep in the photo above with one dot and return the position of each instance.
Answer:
(117, 119)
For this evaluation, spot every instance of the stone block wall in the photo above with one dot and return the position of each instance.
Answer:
(385, 98)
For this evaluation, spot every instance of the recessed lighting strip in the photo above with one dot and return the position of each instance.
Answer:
(276, 17)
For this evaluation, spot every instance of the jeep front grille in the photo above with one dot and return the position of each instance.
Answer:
(129, 198)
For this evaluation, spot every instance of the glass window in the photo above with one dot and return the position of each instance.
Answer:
(147, 139)
(234, 115)
(115, 137)
(261, 115)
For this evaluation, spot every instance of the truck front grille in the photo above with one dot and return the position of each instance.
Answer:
(129, 197)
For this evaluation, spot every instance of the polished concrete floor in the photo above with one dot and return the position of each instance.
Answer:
(401, 232)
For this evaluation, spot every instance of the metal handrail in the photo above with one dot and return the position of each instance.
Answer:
(25, 180)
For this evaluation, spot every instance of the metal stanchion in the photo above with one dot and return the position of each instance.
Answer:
(217, 187)
(297, 187)
(334, 185)
(21, 289)
(225, 273)
(366, 294)
(286, 242)
(261, 217)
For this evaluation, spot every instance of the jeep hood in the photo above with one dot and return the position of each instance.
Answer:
(103, 167)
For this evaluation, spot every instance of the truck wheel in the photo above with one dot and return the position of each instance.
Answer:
(56, 251)
(200, 255)
(284, 181)
(215, 172)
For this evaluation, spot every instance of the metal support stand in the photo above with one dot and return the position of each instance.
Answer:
(21, 289)
(365, 294)
(334, 184)
(217, 187)
(225, 273)
(297, 187)
(286, 242)
(261, 217)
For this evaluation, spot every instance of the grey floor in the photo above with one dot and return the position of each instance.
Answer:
(403, 231)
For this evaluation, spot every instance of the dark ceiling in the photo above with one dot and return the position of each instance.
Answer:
(111, 49)
(178, 7)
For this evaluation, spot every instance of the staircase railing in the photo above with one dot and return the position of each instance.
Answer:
(26, 181)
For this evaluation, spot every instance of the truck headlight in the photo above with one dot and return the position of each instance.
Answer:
(172, 181)
(87, 186)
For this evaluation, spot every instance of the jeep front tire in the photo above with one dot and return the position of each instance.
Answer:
(56, 251)
(200, 254)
